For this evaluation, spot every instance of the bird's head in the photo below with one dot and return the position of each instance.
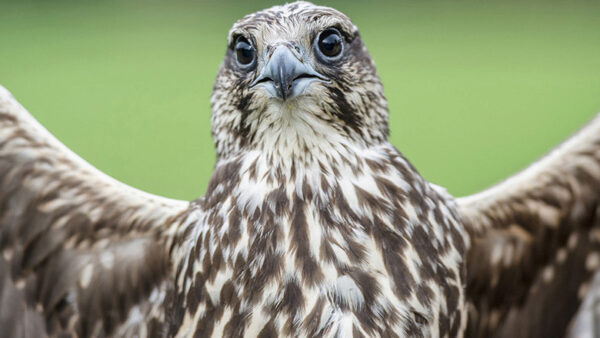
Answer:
(294, 76)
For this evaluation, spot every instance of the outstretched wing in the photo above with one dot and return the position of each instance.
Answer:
(79, 251)
(535, 240)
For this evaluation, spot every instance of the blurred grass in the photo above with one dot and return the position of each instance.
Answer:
(477, 90)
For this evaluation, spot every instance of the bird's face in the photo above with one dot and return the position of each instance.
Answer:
(297, 72)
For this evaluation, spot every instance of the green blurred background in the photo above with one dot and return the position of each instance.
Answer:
(477, 89)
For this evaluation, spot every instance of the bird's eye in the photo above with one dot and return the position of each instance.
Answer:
(330, 43)
(244, 51)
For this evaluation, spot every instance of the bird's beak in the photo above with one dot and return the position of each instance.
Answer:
(285, 76)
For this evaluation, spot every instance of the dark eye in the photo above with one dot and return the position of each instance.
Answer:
(244, 51)
(330, 43)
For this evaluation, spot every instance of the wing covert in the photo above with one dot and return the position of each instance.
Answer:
(531, 237)
(78, 249)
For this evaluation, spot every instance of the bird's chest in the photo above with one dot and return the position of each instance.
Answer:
(322, 260)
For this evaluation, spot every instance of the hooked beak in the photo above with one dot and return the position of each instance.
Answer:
(285, 76)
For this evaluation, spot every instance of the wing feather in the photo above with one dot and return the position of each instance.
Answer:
(78, 249)
(530, 238)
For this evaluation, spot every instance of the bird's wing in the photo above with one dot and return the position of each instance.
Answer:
(534, 242)
(77, 249)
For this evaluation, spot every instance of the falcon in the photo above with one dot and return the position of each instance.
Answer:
(312, 224)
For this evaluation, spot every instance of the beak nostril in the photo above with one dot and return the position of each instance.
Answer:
(282, 71)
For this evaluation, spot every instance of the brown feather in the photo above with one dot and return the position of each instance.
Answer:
(520, 227)
(77, 249)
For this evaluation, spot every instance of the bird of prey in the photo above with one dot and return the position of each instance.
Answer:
(312, 224)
